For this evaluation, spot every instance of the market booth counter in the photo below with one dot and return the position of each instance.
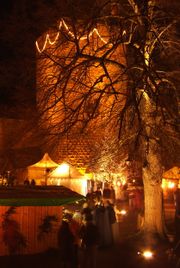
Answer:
(30, 217)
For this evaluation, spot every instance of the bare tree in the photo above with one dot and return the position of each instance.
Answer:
(112, 75)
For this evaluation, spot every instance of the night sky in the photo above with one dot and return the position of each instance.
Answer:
(17, 65)
(22, 22)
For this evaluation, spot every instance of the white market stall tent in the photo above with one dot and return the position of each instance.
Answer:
(171, 178)
(40, 170)
(67, 175)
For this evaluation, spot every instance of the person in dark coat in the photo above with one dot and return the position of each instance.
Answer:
(86, 211)
(110, 217)
(98, 194)
(66, 245)
(89, 235)
(103, 222)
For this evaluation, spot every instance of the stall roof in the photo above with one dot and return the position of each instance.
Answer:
(45, 162)
(37, 196)
(173, 173)
(71, 172)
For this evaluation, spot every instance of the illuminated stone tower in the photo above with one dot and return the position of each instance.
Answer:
(56, 51)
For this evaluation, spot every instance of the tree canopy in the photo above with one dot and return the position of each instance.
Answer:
(97, 73)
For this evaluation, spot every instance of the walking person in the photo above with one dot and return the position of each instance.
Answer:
(90, 237)
(86, 211)
(100, 222)
(98, 194)
(110, 219)
(113, 195)
(66, 245)
(75, 225)
(104, 217)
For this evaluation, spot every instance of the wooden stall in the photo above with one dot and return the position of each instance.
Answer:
(30, 217)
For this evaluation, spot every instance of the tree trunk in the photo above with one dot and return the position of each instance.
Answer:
(152, 172)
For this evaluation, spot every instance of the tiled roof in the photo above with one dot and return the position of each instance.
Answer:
(76, 150)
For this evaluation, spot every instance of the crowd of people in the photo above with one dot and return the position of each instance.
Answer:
(95, 225)
(85, 231)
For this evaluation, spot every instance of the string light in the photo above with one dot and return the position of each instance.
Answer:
(62, 23)
(48, 40)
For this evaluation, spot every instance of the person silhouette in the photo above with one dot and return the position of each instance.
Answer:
(89, 234)
(66, 244)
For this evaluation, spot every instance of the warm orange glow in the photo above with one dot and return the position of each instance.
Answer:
(171, 185)
(123, 212)
(84, 85)
(118, 183)
(63, 169)
(45, 162)
(123, 180)
(82, 170)
(168, 184)
(148, 254)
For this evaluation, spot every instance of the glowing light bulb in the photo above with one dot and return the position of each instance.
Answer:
(123, 212)
(171, 185)
(147, 254)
